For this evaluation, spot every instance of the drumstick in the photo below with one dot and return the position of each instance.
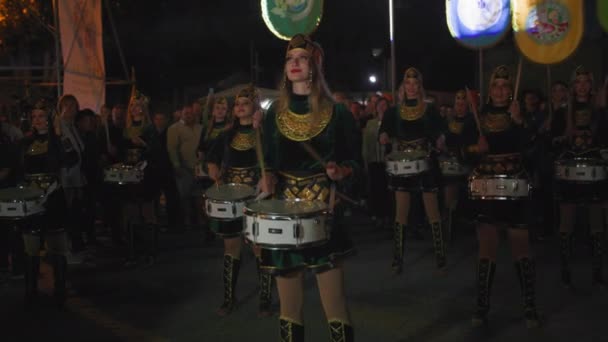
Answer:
(518, 77)
(332, 197)
(260, 153)
(474, 110)
(318, 158)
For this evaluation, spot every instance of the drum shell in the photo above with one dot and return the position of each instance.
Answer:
(499, 187)
(227, 201)
(452, 167)
(123, 174)
(287, 232)
(22, 207)
(225, 210)
(580, 170)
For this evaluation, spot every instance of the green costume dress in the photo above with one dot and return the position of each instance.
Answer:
(235, 152)
(333, 135)
(415, 126)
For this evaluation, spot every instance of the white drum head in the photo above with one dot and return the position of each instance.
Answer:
(229, 192)
(286, 207)
(20, 194)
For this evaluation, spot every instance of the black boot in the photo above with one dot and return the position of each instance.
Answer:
(290, 331)
(340, 332)
(565, 248)
(231, 273)
(60, 268)
(485, 277)
(399, 241)
(32, 267)
(526, 272)
(438, 244)
(265, 279)
(597, 242)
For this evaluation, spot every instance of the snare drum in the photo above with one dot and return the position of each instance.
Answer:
(21, 202)
(581, 170)
(227, 201)
(452, 167)
(407, 163)
(499, 187)
(133, 156)
(287, 224)
(122, 174)
(42, 181)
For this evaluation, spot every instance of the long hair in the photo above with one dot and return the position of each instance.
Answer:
(145, 112)
(572, 98)
(421, 93)
(319, 91)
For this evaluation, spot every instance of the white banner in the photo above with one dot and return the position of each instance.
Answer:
(82, 48)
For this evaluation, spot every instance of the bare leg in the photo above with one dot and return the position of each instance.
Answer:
(331, 289)
(431, 206)
(291, 295)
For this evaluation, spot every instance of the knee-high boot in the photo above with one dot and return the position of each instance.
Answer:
(597, 241)
(485, 277)
(526, 272)
(32, 267)
(60, 268)
(265, 280)
(565, 248)
(399, 241)
(438, 244)
(340, 331)
(231, 273)
(290, 330)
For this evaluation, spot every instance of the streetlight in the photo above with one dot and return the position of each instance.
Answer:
(372, 79)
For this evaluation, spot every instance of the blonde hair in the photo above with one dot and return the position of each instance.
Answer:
(146, 114)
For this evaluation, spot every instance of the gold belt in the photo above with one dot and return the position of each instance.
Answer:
(242, 175)
(510, 163)
(312, 187)
(416, 145)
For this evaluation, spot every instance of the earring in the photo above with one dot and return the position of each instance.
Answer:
(284, 84)
(310, 77)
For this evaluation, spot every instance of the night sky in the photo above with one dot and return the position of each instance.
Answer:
(181, 43)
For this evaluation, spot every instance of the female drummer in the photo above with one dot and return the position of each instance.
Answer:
(137, 122)
(233, 159)
(42, 157)
(416, 126)
(218, 123)
(304, 122)
(501, 145)
(455, 144)
(583, 122)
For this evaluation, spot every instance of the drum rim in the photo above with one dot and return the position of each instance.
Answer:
(389, 159)
(238, 199)
(581, 161)
(22, 200)
(499, 198)
(248, 211)
(32, 176)
(282, 247)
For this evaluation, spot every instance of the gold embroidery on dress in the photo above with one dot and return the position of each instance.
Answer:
(302, 127)
(247, 176)
(215, 132)
(456, 127)
(496, 122)
(314, 187)
(411, 113)
(38, 148)
(243, 141)
(582, 117)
